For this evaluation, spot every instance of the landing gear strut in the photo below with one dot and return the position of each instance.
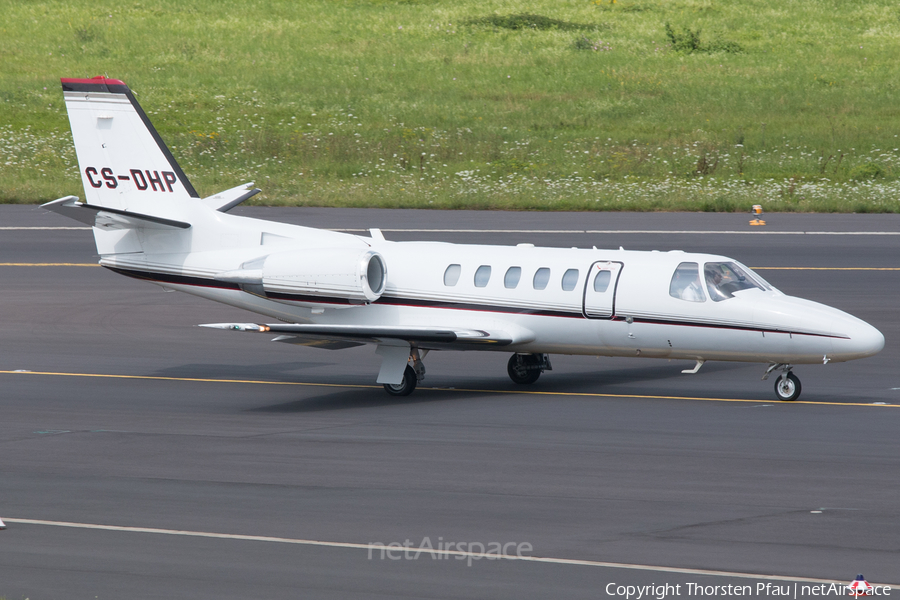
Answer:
(787, 386)
(527, 368)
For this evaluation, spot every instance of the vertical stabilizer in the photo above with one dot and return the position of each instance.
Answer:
(124, 163)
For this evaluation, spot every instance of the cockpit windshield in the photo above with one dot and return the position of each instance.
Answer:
(723, 279)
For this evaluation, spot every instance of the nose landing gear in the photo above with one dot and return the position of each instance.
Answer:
(787, 386)
(527, 368)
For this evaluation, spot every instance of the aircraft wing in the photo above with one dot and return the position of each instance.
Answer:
(335, 337)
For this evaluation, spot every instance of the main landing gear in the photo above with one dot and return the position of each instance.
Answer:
(787, 386)
(405, 387)
(414, 372)
(522, 368)
(526, 368)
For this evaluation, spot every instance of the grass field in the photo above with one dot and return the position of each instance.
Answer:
(586, 104)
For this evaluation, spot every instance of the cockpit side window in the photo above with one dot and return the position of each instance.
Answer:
(685, 283)
(723, 279)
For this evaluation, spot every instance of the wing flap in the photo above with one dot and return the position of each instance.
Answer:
(376, 334)
(312, 341)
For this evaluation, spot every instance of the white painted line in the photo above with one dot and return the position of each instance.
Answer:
(36, 228)
(566, 231)
(412, 550)
(630, 231)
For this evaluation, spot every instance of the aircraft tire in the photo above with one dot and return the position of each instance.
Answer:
(405, 387)
(518, 371)
(787, 388)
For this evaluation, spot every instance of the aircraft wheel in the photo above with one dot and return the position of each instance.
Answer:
(518, 369)
(405, 387)
(787, 388)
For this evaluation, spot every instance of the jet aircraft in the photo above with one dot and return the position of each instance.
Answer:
(335, 290)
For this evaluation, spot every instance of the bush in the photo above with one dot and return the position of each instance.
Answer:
(688, 42)
(526, 21)
(869, 170)
(585, 43)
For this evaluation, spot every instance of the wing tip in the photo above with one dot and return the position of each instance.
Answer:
(255, 327)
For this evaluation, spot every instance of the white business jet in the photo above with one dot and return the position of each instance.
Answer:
(335, 290)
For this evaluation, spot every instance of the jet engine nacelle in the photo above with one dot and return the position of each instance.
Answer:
(345, 273)
(336, 275)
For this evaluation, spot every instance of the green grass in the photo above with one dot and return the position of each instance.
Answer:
(536, 105)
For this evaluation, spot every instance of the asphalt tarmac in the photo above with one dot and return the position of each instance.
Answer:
(143, 457)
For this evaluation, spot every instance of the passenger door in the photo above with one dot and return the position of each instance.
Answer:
(600, 289)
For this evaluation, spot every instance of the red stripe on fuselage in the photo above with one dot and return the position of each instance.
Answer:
(413, 303)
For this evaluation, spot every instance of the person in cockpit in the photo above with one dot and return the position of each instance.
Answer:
(713, 282)
(686, 283)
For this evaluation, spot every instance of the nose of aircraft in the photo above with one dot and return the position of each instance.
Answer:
(862, 339)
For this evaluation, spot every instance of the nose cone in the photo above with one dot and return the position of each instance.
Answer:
(824, 331)
(857, 339)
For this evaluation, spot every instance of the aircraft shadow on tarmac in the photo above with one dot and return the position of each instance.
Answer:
(248, 372)
(588, 381)
(357, 399)
(581, 382)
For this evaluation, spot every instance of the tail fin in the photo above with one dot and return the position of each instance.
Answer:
(124, 163)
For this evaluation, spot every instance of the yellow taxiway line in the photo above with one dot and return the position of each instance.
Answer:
(437, 389)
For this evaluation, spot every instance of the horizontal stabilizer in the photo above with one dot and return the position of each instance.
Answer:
(109, 218)
(69, 207)
(374, 334)
(225, 201)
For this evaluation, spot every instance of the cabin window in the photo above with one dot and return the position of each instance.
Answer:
(482, 276)
(570, 278)
(601, 281)
(511, 279)
(451, 275)
(541, 278)
(686, 284)
(723, 279)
